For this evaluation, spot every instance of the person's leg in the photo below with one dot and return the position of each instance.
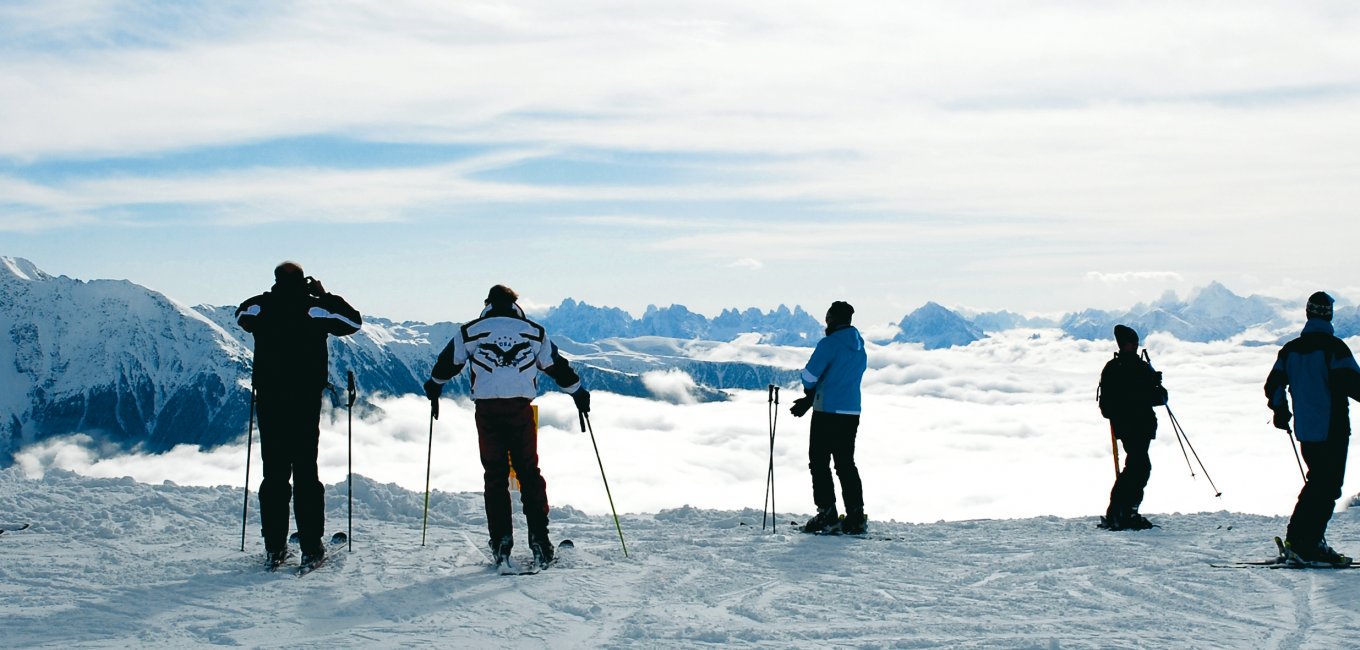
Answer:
(843, 452)
(819, 461)
(522, 441)
(309, 496)
(495, 471)
(275, 490)
(1326, 470)
(1137, 470)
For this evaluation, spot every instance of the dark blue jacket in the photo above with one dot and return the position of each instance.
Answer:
(1320, 373)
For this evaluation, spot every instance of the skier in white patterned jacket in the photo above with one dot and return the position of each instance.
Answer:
(506, 351)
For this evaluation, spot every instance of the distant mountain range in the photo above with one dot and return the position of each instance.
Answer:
(136, 369)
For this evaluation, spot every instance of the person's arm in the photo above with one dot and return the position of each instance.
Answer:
(1276, 396)
(336, 316)
(248, 314)
(1345, 373)
(554, 365)
(447, 365)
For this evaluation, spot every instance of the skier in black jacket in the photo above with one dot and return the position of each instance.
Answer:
(290, 324)
(1129, 389)
(1320, 374)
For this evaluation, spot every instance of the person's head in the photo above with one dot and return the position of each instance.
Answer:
(840, 313)
(289, 276)
(1320, 306)
(1126, 337)
(501, 297)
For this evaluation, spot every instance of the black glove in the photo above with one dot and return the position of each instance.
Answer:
(433, 389)
(582, 399)
(800, 406)
(314, 287)
(1282, 419)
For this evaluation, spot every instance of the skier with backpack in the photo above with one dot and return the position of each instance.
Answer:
(831, 386)
(1129, 390)
(506, 351)
(1319, 373)
(290, 324)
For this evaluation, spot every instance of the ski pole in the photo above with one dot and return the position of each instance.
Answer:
(1298, 460)
(1179, 440)
(429, 455)
(250, 442)
(773, 407)
(1181, 432)
(1114, 449)
(586, 426)
(349, 417)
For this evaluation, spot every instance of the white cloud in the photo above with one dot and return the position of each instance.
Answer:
(674, 386)
(1006, 427)
(747, 263)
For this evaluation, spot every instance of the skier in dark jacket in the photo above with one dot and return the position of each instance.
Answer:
(506, 351)
(290, 324)
(1320, 373)
(831, 383)
(1129, 389)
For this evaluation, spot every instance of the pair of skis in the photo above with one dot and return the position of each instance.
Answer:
(13, 528)
(336, 542)
(1281, 562)
(510, 567)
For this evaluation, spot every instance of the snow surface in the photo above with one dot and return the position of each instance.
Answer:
(117, 563)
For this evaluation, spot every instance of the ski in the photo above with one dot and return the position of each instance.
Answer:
(13, 528)
(1280, 562)
(837, 532)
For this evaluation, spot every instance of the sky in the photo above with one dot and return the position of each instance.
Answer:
(1006, 427)
(1033, 156)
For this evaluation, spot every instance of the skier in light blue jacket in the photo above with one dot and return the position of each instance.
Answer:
(831, 383)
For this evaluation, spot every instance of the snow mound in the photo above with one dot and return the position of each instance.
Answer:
(116, 563)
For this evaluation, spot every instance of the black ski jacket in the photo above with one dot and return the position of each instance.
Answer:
(290, 330)
(1129, 389)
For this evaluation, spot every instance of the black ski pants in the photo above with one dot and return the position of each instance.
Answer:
(506, 429)
(1127, 493)
(289, 432)
(1326, 471)
(832, 436)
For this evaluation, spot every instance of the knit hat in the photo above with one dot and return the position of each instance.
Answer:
(1125, 335)
(840, 312)
(1320, 306)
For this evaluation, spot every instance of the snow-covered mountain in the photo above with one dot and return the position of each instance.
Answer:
(128, 365)
(936, 327)
(114, 360)
(582, 322)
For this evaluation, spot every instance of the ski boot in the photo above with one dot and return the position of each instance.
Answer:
(1318, 555)
(313, 554)
(826, 521)
(855, 523)
(500, 549)
(275, 559)
(542, 548)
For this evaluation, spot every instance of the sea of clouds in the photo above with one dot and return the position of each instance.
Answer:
(1005, 427)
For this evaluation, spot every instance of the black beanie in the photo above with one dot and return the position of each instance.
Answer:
(840, 312)
(1125, 335)
(1320, 306)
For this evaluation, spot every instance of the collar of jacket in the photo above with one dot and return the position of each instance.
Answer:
(1319, 326)
(513, 311)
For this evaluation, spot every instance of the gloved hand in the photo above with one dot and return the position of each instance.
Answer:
(582, 399)
(314, 287)
(1282, 419)
(800, 406)
(433, 389)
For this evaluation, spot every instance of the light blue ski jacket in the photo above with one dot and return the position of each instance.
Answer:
(1320, 374)
(835, 370)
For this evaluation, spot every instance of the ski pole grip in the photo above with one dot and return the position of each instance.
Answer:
(351, 388)
(770, 393)
(582, 415)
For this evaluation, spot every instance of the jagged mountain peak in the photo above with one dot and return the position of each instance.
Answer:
(18, 268)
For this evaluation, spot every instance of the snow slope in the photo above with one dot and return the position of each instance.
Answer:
(116, 563)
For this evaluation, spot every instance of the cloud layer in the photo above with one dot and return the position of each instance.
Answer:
(1006, 427)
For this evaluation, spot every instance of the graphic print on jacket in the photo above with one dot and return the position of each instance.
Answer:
(504, 349)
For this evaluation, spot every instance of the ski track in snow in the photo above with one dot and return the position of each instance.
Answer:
(115, 563)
